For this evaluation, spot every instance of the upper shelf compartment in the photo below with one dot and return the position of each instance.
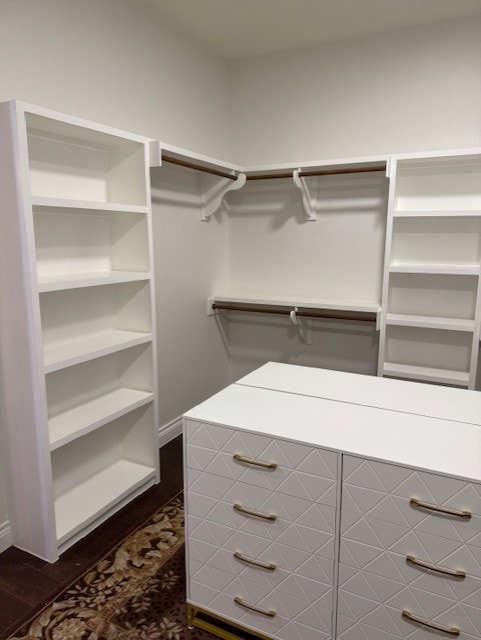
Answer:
(439, 185)
(78, 164)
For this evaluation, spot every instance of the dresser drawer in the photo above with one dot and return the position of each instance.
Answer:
(371, 606)
(287, 467)
(385, 492)
(297, 609)
(312, 531)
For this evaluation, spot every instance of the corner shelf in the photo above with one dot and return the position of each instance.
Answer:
(431, 317)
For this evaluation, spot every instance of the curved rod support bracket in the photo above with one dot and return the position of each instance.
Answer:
(212, 199)
(307, 201)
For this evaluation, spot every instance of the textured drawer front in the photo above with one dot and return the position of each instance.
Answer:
(379, 530)
(302, 471)
(383, 491)
(302, 604)
(381, 549)
(370, 608)
(311, 531)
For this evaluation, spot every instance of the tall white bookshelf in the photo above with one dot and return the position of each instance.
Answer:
(77, 324)
(431, 308)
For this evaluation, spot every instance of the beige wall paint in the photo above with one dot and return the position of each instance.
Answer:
(114, 61)
(407, 90)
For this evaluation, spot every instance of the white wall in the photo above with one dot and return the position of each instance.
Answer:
(114, 61)
(274, 250)
(414, 89)
(190, 263)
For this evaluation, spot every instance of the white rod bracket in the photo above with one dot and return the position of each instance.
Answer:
(212, 200)
(307, 202)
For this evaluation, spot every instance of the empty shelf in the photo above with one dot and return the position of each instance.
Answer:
(428, 374)
(88, 500)
(88, 279)
(442, 269)
(436, 213)
(430, 322)
(87, 417)
(87, 347)
(86, 205)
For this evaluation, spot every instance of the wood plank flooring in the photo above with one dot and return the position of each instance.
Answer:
(27, 583)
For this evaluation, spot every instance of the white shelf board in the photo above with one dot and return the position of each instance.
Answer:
(88, 206)
(77, 422)
(66, 353)
(429, 374)
(442, 269)
(59, 282)
(84, 503)
(290, 301)
(437, 213)
(430, 322)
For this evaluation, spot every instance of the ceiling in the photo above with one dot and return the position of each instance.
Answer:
(236, 29)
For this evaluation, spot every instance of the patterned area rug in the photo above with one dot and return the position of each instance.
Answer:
(137, 592)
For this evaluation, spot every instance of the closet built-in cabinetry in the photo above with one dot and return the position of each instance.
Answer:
(78, 329)
(431, 306)
(327, 505)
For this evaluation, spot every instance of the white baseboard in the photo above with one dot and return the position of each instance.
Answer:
(170, 431)
(5, 536)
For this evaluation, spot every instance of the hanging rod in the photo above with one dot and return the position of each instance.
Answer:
(318, 172)
(198, 167)
(358, 316)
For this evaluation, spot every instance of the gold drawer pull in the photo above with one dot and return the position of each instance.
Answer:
(257, 514)
(258, 463)
(466, 515)
(251, 607)
(452, 631)
(456, 573)
(270, 566)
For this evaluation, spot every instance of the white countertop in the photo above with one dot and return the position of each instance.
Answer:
(398, 436)
(445, 403)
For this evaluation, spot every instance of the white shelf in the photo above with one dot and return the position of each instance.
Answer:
(87, 501)
(442, 269)
(88, 206)
(66, 353)
(438, 213)
(428, 374)
(87, 417)
(306, 303)
(89, 279)
(451, 324)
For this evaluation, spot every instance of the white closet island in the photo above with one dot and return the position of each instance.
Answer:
(77, 326)
(322, 505)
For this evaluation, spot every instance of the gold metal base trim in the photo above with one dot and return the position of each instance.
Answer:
(220, 627)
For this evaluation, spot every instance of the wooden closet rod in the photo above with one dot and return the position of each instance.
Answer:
(270, 176)
(198, 167)
(318, 172)
(358, 316)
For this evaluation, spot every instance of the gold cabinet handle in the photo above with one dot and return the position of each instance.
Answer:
(456, 573)
(258, 463)
(415, 502)
(270, 566)
(269, 613)
(452, 631)
(257, 514)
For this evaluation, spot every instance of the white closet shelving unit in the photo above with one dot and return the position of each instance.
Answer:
(78, 341)
(431, 309)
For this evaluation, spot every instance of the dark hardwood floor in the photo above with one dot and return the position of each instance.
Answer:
(27, 583)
